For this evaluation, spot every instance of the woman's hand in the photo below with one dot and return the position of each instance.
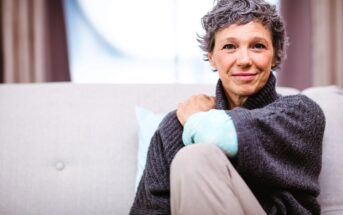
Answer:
(197, 103)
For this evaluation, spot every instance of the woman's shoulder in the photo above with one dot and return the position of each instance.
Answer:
(302, 104)
(170, 132)
(170, 118)
(170, 124)
(297, 99)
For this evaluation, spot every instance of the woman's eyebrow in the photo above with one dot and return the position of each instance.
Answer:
(257, 38)
(229, 39)
(234, 39)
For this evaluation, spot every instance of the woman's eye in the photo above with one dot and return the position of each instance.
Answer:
(259, 46)
(229, 46)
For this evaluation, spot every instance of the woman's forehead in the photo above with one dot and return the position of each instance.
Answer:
(251, 29)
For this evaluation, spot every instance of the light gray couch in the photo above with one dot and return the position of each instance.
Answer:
(72, 148)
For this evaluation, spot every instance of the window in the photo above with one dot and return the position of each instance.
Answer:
(151, 41)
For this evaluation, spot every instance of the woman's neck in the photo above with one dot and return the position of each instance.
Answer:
(235, 100)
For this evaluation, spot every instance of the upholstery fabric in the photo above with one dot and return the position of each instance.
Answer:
(331, 178)
(72, 148)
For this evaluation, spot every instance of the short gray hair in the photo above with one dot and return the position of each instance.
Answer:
(228, 12)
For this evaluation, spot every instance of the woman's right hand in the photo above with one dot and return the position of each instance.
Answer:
(195, 104)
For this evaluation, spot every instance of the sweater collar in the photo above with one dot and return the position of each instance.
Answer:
(260, 99)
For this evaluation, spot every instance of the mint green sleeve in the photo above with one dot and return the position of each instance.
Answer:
(212, 127)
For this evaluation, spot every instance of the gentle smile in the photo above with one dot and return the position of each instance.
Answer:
(244, 76)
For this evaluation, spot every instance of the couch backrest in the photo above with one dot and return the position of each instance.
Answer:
(330, 99)
(72, 148)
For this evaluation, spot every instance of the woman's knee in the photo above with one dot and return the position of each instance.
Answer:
(195, 157)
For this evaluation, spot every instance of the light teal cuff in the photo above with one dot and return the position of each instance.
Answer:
(214, 126)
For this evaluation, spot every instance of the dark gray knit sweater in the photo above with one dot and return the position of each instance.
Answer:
(279, 157)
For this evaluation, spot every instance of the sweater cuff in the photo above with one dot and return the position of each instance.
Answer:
(214, 126)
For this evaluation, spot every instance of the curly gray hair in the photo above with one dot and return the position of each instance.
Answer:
(228, 12)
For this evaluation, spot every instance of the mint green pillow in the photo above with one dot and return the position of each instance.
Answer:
(148, 122)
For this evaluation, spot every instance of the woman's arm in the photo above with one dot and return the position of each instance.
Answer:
(280, 146)
(153, 193)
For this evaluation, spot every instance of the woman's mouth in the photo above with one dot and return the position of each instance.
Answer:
(244, 76)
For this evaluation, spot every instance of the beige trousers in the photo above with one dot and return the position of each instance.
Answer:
(204, 182)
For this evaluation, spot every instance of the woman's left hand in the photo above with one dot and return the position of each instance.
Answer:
(197, 103)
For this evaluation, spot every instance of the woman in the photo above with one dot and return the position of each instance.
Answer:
(248, 150)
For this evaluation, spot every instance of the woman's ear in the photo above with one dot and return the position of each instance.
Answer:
(274, 61)
(210, 59)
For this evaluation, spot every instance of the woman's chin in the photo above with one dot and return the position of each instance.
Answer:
(246, 90)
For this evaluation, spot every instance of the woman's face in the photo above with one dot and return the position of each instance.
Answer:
(243, 56)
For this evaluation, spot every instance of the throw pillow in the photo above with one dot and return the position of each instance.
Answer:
(148, 122)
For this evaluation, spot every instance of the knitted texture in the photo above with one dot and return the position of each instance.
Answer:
(279, 153)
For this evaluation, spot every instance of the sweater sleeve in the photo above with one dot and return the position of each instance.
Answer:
(280, 145)
(153, 193)
(211, 127)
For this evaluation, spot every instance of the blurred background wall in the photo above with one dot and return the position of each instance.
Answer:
(315, 54)
(152, 41)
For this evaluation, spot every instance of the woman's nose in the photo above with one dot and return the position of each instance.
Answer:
(243, 57)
